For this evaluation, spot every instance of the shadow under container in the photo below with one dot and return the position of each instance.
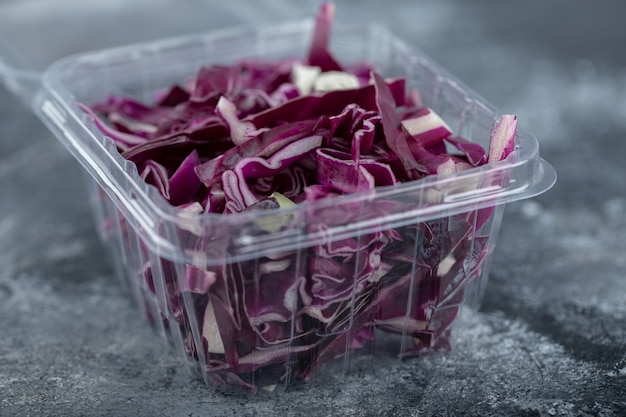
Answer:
(264, 298)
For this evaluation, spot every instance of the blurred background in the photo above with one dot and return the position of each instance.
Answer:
(550, 338)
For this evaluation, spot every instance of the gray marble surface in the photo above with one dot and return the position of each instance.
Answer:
(550, 339)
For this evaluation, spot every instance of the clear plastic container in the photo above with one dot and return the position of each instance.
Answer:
(234, 294)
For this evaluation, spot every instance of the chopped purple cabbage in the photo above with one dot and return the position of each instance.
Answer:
(252, 136)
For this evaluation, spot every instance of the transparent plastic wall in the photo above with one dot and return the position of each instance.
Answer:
(267, 297)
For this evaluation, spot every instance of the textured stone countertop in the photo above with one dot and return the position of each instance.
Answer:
(550, 338)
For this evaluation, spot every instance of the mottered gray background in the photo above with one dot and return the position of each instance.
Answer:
(550, 338)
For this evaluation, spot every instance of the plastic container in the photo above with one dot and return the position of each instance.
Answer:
(234, 294)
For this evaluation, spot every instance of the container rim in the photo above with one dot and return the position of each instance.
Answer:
(57, 107)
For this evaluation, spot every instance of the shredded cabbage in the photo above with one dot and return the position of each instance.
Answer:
(263, 135)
